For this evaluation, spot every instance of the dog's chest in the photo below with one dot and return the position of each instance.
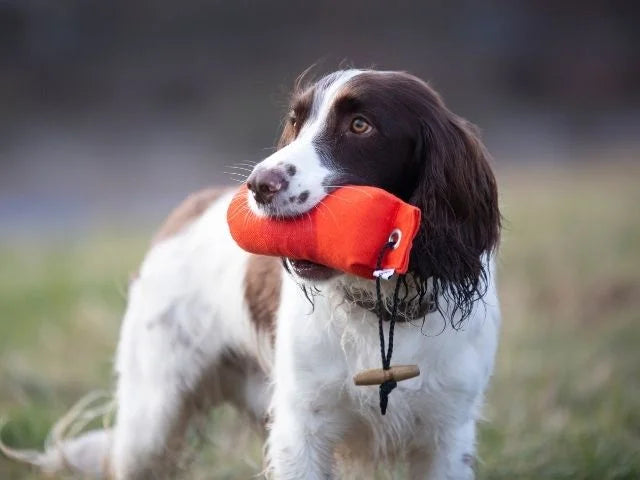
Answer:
(324, 347)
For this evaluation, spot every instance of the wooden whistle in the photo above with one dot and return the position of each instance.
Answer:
(377, 376)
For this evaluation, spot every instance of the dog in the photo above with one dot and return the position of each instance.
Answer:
(281, 339)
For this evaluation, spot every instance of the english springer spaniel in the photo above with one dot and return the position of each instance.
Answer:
(208, 323)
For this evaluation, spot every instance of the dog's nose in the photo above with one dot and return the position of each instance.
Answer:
(265, 184)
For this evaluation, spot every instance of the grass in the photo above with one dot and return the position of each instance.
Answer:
(565, 399)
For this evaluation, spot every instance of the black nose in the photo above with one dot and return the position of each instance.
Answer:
(265, 183)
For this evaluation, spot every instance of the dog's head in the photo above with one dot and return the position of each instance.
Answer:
(389, 130)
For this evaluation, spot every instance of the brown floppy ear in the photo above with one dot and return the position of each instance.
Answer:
(458, 198)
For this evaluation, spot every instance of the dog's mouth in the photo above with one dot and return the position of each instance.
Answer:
(311, 271)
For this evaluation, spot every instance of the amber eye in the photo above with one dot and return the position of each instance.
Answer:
(359, 125)
(293, 121)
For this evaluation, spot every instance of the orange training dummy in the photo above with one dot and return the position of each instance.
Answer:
(346, 232)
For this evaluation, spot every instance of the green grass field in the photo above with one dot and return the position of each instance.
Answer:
(565, 399)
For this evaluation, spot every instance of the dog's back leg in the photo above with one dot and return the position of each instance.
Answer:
(168, 348)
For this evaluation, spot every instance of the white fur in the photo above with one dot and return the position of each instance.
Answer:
(191, 286)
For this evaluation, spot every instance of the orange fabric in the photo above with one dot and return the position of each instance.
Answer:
(345, 232)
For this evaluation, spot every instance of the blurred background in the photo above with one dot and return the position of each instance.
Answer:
(111, 112)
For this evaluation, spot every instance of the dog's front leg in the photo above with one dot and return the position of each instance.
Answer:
(308, 410)
(302, 441)
(304, 435)
(450, 457)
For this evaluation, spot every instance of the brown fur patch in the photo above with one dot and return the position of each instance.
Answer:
(187, 212)
(262, 285)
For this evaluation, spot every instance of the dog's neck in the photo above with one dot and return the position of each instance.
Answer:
(407, 310)
(414, 301)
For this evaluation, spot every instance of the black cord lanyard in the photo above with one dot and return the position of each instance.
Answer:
(387, 386)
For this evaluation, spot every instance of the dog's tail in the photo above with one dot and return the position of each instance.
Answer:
(70, 449)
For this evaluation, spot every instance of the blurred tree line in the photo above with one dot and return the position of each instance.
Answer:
(97, 97)
(165, 54)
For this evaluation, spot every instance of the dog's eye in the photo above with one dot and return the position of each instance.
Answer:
(359, 125)
(293, 120)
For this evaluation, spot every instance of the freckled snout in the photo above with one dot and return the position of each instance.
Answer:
(265, 183)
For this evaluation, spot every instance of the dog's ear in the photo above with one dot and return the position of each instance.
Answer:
(457, 195)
